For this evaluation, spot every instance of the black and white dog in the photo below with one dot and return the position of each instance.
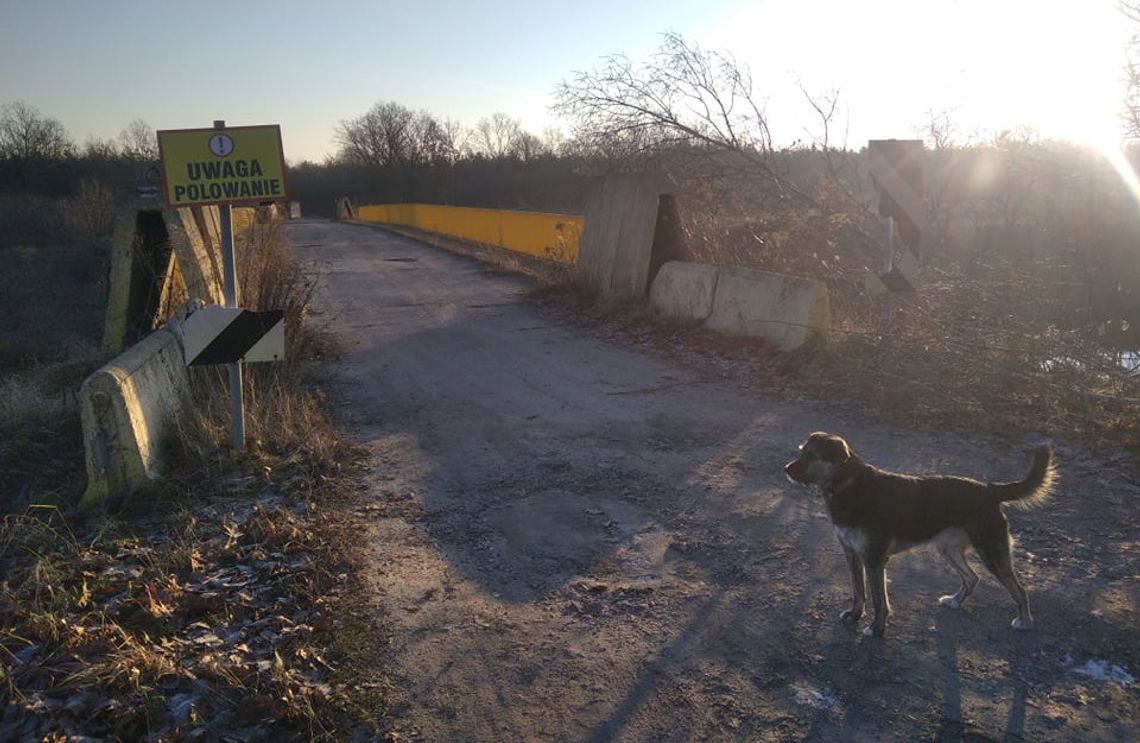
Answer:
(877, 514)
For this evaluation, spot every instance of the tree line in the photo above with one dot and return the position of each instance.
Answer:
(392, 135)
(27, 135)
(804, 208)
(686, 110)
(389, 152)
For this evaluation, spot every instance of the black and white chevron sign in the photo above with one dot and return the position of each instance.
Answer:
(896, 169)
(223, 335)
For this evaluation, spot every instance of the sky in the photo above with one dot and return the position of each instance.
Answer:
(1052, 66)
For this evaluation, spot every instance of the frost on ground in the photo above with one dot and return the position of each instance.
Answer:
(1103, 670)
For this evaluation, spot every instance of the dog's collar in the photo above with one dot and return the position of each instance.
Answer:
(844, 483)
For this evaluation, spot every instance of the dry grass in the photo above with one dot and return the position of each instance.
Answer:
(40, 439)
(217, 620)
(285, 414)
(1020, 329)
(223, 604)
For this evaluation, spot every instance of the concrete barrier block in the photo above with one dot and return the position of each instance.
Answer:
(117, 317)
(684, 290)
(146, 241)
(786, 310)
(345, 210)
(129, 409)
(194, 237)
(617, 243)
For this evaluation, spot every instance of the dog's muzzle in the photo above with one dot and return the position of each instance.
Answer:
(794, 471)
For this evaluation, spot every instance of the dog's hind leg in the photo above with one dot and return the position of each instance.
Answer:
(1001, 565)
(952, 544)
(995, 547)
(858, 586)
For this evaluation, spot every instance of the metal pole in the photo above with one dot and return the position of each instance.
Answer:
(890, 244)
(229, 271)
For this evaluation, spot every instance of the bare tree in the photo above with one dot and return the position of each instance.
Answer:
(553, 141)
(433, 141)
(100, 149)
(380, 137)
(939, 132)
(683, 97)
(824, 105)
(939, 129)
(390, 134)
(26, 134)
(1131, 11)
(529, 147)
(1016, 149)
(139, 142)
(697, 112)
(497, 137)
(836, 162)
(457, 134)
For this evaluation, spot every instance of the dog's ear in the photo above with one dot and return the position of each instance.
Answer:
(817, 438)
(837, 449)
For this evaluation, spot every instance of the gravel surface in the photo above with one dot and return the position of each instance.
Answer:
(580, 536)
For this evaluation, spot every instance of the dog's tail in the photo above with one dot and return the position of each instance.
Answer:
(1036, 485)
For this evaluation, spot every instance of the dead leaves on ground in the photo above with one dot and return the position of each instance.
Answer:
(212, 633)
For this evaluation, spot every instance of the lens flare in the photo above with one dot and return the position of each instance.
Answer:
(1114, 153)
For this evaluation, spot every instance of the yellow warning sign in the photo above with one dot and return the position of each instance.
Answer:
(235, 165)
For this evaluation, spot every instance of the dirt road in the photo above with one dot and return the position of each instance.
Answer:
(581, 539)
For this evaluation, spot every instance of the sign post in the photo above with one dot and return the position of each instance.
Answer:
(896, 170)
(238, 165)
(222, 145)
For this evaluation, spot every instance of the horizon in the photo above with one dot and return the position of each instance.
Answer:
(992, 68)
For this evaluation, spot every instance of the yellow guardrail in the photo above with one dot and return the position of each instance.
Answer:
(554, 237)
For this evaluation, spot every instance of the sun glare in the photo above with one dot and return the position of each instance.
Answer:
(1076, 75)
(1053, 67)
(1114, 154)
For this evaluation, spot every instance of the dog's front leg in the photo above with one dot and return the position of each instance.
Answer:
(858, 586)
(877, 575)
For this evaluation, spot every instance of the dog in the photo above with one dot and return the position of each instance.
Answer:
(876, 514)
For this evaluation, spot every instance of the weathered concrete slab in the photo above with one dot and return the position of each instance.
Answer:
(129, 408)
(786, 310)
(617, 243)
(196, 240)
(158, 255)
(117, 316)
(684, 290)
